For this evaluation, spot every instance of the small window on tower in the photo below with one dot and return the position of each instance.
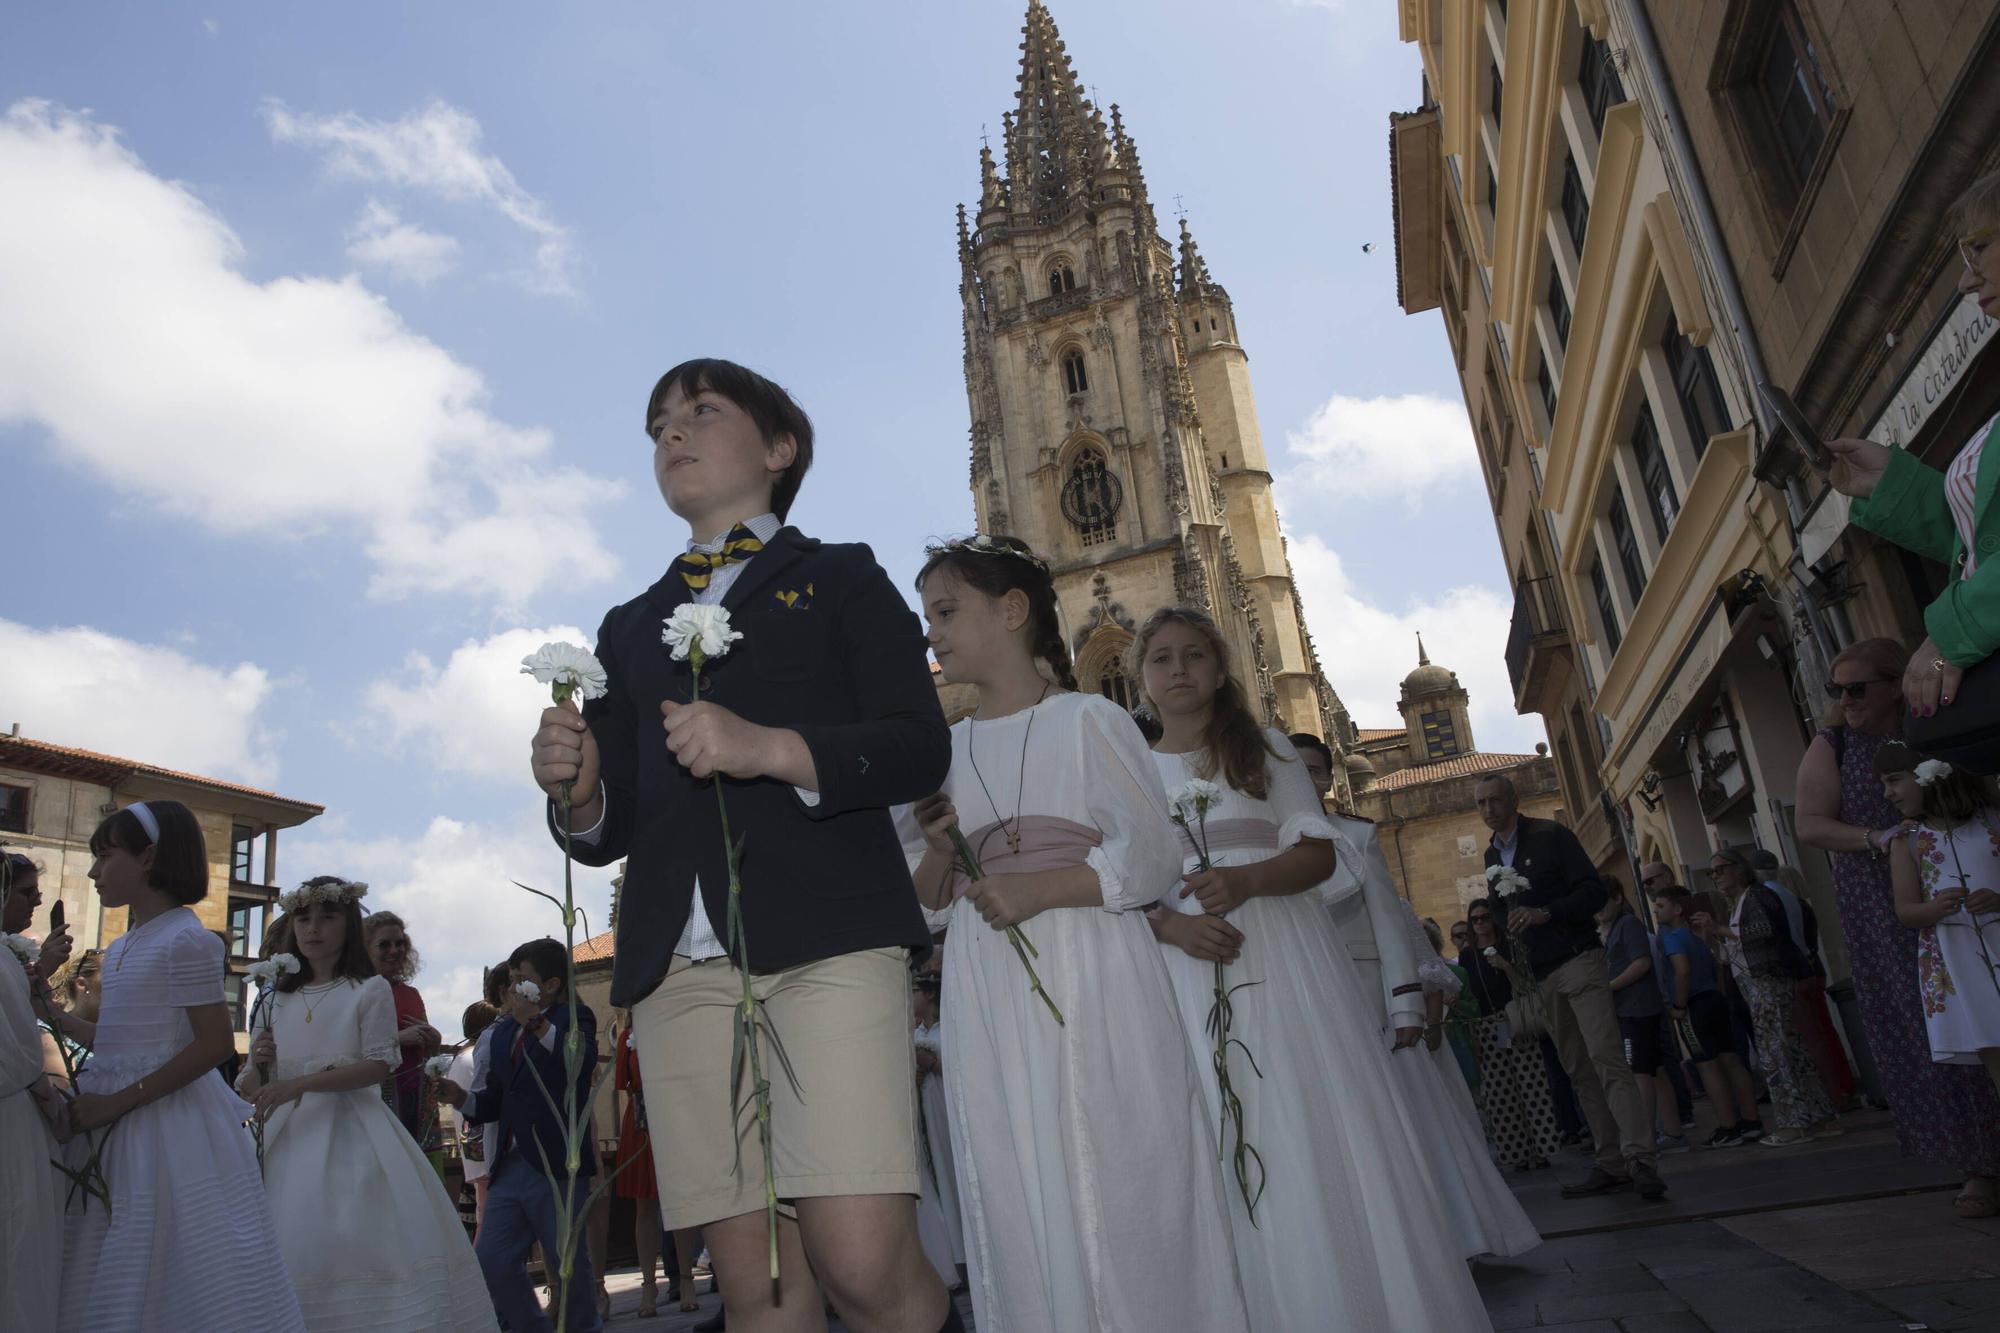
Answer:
(1062, 278)
(1440, 737)
(1114, 686)
(1075, 378)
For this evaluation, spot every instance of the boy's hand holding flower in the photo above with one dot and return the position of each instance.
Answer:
(708, 739)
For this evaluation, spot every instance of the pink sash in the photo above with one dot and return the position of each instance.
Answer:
(1232, 835)
(1047, 843)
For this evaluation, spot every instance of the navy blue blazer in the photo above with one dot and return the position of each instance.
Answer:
(512, 1096)
(829, 650)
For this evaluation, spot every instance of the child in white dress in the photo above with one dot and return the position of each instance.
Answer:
(1946, 875)
(186, 1241)
(374, 1243)
(939, 1226)
(1346, 1233)
(1088, 1178)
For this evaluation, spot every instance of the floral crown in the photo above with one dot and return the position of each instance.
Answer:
(980, 543)
(325, 889)
(1930, 770)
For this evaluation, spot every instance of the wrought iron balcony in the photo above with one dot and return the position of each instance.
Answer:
(1538, 637)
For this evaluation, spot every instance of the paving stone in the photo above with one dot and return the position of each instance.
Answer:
(1671, 1321)
(1946, 1305)
(1611, 1305)
(1760, 1300)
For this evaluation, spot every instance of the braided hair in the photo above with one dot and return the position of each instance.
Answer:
(997, 566)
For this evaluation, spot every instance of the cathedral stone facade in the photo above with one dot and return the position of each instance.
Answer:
(1113, 427)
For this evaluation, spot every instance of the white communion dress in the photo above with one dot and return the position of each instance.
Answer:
(939, 1225)
(187, 1242)
(31, 1189)
(370, 1238)
(1091, 1191)
(1347, 1234)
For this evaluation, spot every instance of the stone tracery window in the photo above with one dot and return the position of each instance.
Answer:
(1076, 378)
(1062, 278)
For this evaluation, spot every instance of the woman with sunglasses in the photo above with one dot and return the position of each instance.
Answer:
(1947, 516)
(1945, 1112)
(1515, 1103)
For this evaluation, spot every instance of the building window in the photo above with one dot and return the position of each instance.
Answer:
(1492, 191)
(1075, 378)
(1797, 103)
(242, 918)
(242, 848)
(1627, 541)
(1697, 388)
(1062, 278)
(13, 809)
(237, 992)
(1607, 611)
(1546, 383)
(1597, 76)
(1493, 72)
(1440, 736)
(1559, 306)
(1575, 203)
(1114, 686)
(1091, 498)
(1652, 460)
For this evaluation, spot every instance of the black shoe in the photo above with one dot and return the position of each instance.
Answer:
(1599, 1181)
(1728, 1136)
(715, 1323)
(1750, 1131)
(1647, 1181)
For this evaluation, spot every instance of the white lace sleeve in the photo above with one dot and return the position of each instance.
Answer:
(377, 1018)
(1140, 857)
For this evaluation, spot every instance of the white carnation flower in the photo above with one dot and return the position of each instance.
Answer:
(25, 949)
(270, 969)
(528, 991)
(439, 1065)
(698, 631)
(1192, 798)
(1930, 770)
(568, 669)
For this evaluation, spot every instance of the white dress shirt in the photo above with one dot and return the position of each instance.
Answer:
(698, 941)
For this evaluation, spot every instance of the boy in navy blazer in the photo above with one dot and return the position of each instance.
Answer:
(821, 718)
(520, 1203)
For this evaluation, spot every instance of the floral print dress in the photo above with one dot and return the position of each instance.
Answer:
(1946, 1112)
(1957, 956)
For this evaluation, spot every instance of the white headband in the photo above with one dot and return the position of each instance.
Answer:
(139, 812)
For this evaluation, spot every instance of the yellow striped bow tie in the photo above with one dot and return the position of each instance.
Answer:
(697, 567)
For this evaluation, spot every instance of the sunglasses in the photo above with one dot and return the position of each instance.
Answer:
(1973, 246)
(1856, 689)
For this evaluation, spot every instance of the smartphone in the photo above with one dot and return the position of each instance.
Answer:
(1794, 422)
(56, 918)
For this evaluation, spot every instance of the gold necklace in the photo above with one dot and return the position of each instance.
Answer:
(324, 988)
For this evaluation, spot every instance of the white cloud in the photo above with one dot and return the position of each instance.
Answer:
(381, 239)
(214, 28)
(1366, 649)
(474, 714)
(82, 687)
(1376, 448)
(453, 885)
(290, 407)
(435, 149)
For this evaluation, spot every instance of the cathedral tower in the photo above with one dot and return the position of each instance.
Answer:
(1113, 427)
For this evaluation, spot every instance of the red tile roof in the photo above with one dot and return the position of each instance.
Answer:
(596, 949)
(1366, 734)
(68, 761)
(1458, 766)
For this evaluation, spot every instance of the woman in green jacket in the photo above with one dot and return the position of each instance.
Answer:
(1948, 516)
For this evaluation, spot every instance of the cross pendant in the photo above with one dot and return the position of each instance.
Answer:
(1014, 842)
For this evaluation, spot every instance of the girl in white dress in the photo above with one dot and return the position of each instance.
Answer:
(31, 1190)
(1946, 876)
(1090, 1188)
(186, 1241)
(370, 1237)
(1347, 1233)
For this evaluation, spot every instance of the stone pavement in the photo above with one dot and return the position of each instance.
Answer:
(1843, 1235)
(1839, 1236)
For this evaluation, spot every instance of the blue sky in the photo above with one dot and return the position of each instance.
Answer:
(329, 328)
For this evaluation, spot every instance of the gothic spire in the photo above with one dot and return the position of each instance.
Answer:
(1194, 269)
(1055, 146)
(1423, 658)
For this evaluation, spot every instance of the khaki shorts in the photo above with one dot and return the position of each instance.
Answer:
(844, 1021)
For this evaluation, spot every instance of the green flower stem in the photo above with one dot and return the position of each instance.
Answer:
(751, 1020)
(1023, 946)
